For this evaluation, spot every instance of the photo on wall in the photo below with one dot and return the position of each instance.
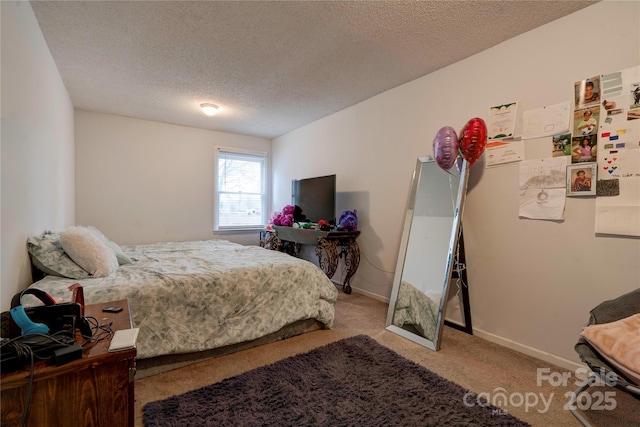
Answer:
(561, 145)
(585, 121)
(583, 149)
(634, 107)
(581, 179)
(587, 92)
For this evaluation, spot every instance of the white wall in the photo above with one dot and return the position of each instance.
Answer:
(37, 144)
(141, 181)
(527, 288)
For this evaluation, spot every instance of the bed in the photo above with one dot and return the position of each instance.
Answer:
(196, 296)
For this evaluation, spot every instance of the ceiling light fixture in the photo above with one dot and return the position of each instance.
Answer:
(209, 109)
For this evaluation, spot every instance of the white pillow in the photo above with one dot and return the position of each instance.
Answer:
(123, 258)
(88, 251)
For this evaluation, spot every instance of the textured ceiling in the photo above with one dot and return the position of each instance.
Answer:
(272, 66)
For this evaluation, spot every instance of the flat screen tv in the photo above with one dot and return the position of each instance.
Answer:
(316, 197)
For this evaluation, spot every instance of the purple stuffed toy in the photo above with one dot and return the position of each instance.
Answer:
(348, 221)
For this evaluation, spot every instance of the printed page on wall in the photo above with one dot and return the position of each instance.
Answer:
(502, 146)
(546, 121)
(543, 188)
(502, 121)
(618, 154)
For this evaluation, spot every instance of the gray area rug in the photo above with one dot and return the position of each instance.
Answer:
(351, 382)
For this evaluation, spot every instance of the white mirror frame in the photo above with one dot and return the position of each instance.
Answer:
(453, 243)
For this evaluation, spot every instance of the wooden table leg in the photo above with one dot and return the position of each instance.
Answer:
(327, 252)
(351, 253)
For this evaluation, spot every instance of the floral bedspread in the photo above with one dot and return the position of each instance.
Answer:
(199, 295)
(415, 308)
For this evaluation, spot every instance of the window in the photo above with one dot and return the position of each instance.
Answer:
(240, 190)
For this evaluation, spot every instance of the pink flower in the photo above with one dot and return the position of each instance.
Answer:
(287, 220)
(288, 210)
(284, 218)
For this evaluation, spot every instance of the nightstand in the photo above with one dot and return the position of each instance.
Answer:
(96, 390)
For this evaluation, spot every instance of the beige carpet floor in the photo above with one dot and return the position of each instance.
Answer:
(474, 363)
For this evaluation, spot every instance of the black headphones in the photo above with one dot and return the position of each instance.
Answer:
(40, 294)
(20, 316)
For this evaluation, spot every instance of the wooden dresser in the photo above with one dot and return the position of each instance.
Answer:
(96, 390)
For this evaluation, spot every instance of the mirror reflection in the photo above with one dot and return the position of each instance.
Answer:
(425, 261)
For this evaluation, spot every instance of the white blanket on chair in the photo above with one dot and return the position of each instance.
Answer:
(619, 343)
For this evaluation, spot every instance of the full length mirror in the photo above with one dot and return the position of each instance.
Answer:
(427, 250)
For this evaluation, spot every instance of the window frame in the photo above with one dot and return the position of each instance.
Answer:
(263, 157)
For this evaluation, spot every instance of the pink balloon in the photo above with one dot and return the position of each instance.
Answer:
(445, 147)
(473, 139)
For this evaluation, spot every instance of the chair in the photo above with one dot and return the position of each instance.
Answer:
(606, 312)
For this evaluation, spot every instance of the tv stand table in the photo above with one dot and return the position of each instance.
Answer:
(290, 240)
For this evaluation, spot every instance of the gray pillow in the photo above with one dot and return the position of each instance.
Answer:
(123, 258)
(48, 256)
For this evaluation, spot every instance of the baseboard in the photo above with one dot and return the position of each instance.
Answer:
(368, 294)
(529, 351)
(513, 345)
